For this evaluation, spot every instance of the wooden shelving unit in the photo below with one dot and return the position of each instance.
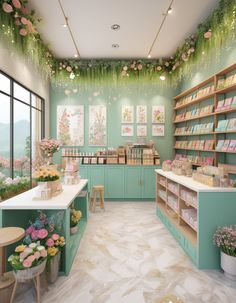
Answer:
(209, 91)
(191, 211)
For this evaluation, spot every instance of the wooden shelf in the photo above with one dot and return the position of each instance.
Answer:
(188, 203)
(195, 118)
(194, 134)
(189, 224)
(203, 150)
(226, 89)
(161, 184)
(172, 192)
(172, 208)
(197, 100)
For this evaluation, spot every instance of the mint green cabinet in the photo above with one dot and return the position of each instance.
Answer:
(148, 182)
(114, 182)
(133, 189)
(122, 181)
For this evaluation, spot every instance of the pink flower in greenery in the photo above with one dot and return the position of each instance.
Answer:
(34, 235)
(24, 10)
(50, 242)
(7, 8)
(42, 233)
(31, 258)
(23, 32)
(24, 21)
(55, 237)
(43, 253)
(16, 3)
(27, 263)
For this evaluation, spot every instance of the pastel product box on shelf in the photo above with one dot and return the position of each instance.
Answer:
(173, 187)
(231, 125)
(222, 125)
(232, 146)
(42, 193)
(162, 194)
(233, 104)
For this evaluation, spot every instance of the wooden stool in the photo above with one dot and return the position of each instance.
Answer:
(97, 190)
(8, 235)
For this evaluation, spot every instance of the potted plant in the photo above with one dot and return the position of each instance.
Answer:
(48, 177)
(48, 147)
(225, 239)
(44, 229)
(28, 261)
(75, 216)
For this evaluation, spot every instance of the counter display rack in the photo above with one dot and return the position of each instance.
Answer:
(191, 211)
(207, 110)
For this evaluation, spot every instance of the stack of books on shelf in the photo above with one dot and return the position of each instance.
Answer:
(226, 104)
(188, 196)
(225, 82)
(190, 216)
(195, 144)
(205, 91)
(197, 112)
(226, 125)
(162, 181)
(172, 201)
(226, 145)
(163, 194)
(195, 129)
(173, 187)
(197, 160)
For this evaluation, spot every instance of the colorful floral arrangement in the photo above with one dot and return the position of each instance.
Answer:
(225, 239)
(43, 229)
(75, 216)
(45, 174)
(27, 256)
(18, 25)
(10, 187)
(49, 147)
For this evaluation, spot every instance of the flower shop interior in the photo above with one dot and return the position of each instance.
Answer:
(117, 151)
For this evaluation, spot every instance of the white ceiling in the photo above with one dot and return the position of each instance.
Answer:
(139, 20)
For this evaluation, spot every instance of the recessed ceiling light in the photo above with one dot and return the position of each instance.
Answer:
(149, 56)
(115, 27)
(115, 45)
(64, 25)
(76, 55)
(169, 10)
(162, 77)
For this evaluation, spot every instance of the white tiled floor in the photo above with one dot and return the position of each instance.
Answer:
(127, 256)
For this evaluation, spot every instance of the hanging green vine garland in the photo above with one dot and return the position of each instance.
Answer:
(18, 26)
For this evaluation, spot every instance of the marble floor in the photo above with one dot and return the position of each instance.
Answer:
(127, 256)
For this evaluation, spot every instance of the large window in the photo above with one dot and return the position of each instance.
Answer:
(21, 127)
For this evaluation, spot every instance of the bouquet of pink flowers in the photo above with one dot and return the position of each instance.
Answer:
(43, 229)
(49, 147)
(225, 239)
(27, 256)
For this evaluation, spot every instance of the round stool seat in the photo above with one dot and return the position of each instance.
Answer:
(97, 190)
(9, 235)
(98, 187)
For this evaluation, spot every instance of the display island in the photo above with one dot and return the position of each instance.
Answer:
(20, 210)
(191, 211)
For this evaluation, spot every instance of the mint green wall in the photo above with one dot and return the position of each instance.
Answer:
(114, 96)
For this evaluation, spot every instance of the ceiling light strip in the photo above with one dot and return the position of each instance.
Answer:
(70, 31)
(159, 30)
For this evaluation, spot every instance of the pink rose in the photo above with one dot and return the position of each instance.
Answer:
(34, 235)
(207, 35)
(42, 233)
(23, 255)
(37, 255)
(55, 237)
(43, 253)
(7, 8)
(31, 258)
(23, 32)
(24, 20)
(27, 263)
(50, 242)
(16, 3)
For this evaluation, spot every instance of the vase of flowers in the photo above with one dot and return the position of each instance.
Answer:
(225, 239)
(48, 177)
(44, 229)
(75, 216)
(48, 147)
(28, 261)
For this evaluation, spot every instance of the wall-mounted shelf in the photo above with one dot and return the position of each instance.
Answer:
(213, 92)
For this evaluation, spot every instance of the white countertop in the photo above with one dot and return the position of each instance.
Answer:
(192, 184)
(62, 201)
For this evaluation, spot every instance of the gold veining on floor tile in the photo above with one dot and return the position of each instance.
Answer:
(170, 299)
